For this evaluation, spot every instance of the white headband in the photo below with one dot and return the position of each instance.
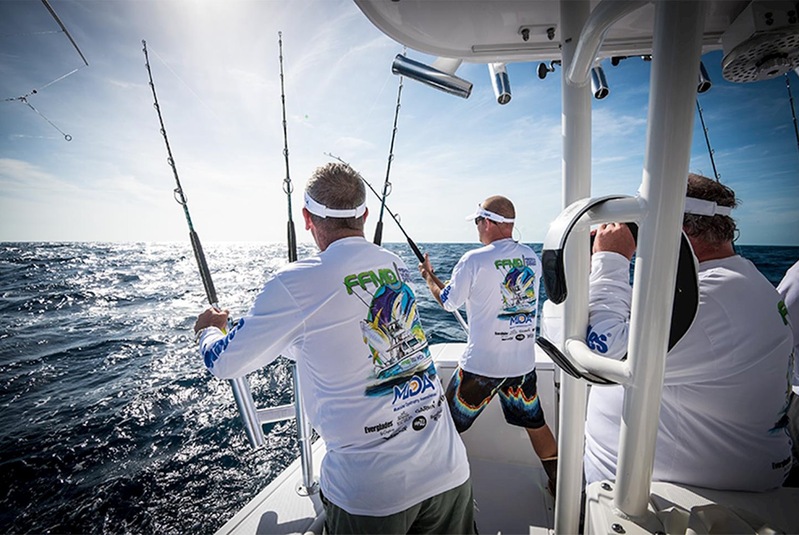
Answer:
(482, 212)
(324, 212)
(706, 208)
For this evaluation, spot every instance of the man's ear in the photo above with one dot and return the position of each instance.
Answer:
(307, 216)
(365, 214)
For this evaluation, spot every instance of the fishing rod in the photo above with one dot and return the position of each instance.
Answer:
(287, 185)
(411, 243)
(710, 151)
(205, 273)
(387, 184)
(240, 385)
(793, 111)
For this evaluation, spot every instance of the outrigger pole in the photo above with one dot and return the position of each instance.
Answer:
(411, 243)
(387, 184)
(287, 186)
(24, 98)
(240, 385)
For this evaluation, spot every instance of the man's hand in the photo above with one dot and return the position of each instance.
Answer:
(616, 238)
(211, 318)
(426, 268)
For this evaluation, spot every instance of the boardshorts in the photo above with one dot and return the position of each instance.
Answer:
(468, 394)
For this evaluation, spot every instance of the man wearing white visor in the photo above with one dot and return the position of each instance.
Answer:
(723, 421)
(394, 461)
(499, 284)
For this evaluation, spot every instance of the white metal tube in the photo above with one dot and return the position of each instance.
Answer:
(247, 410)
(675, 60)
(614, 370)
(309, 485)
(576, 122)
(605, 14)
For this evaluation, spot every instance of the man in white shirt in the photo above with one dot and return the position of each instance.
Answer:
(499, 285)
(394, 461)
(725, 393)
(789, 289)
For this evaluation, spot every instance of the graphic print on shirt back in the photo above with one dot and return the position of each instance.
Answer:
(519, 299)
(401, 361)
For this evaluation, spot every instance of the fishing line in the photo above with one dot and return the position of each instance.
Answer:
(202, 264)
(411, 243)
(387, 184)
(287, 185)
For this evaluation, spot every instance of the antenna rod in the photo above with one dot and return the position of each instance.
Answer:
(707, 141)
(387, 184)
(411, 243)
(287, 186)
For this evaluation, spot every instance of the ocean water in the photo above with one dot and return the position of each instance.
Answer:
(108, 421)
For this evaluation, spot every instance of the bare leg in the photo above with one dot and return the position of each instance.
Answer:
(543, 441)
(546, 447)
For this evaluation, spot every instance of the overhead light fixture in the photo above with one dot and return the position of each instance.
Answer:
(704, 79)
(599, 85)
(500, 81)
(449, 83)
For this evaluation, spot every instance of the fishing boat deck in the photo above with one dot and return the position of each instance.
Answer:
(509, 481)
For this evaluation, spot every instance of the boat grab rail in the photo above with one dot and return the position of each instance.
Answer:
(254, 418)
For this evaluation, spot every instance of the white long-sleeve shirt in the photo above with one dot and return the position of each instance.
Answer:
(499, 284)
(370, 388)
(789, 289)
(722, 417)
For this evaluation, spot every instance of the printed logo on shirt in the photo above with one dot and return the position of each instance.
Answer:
(517, 288)
(383, 277)
(392, 331)
(597, 342)
(419, 423)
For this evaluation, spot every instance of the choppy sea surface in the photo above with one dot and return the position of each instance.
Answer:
(109, 422)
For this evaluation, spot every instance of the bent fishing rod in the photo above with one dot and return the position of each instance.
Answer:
(411, 243)
(387, 184)
(240, 385)
(287, 185)
(202, 264)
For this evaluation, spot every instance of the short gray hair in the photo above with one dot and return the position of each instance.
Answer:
(715, 229)
(337, 186)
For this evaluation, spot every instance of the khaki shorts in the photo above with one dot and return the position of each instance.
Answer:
(451, 511)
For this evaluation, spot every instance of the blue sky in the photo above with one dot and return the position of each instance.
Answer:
(215, 66)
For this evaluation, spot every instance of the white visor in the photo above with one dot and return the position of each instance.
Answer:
(482, 212)
(324, 212)
(707, 208)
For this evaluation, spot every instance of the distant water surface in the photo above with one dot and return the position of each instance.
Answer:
(109, 422)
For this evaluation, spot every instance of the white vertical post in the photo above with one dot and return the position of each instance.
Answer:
(675, 61)
(576, 122)
(309, 485)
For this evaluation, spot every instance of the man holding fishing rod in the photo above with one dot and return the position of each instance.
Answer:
(395, 462)
(499, 284)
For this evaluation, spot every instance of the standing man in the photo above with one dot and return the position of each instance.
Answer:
(723, 421)
(789, 290)
(499, 284)
(394, 461)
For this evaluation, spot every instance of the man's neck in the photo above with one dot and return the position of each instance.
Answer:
(323, 241)
(706, 251)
